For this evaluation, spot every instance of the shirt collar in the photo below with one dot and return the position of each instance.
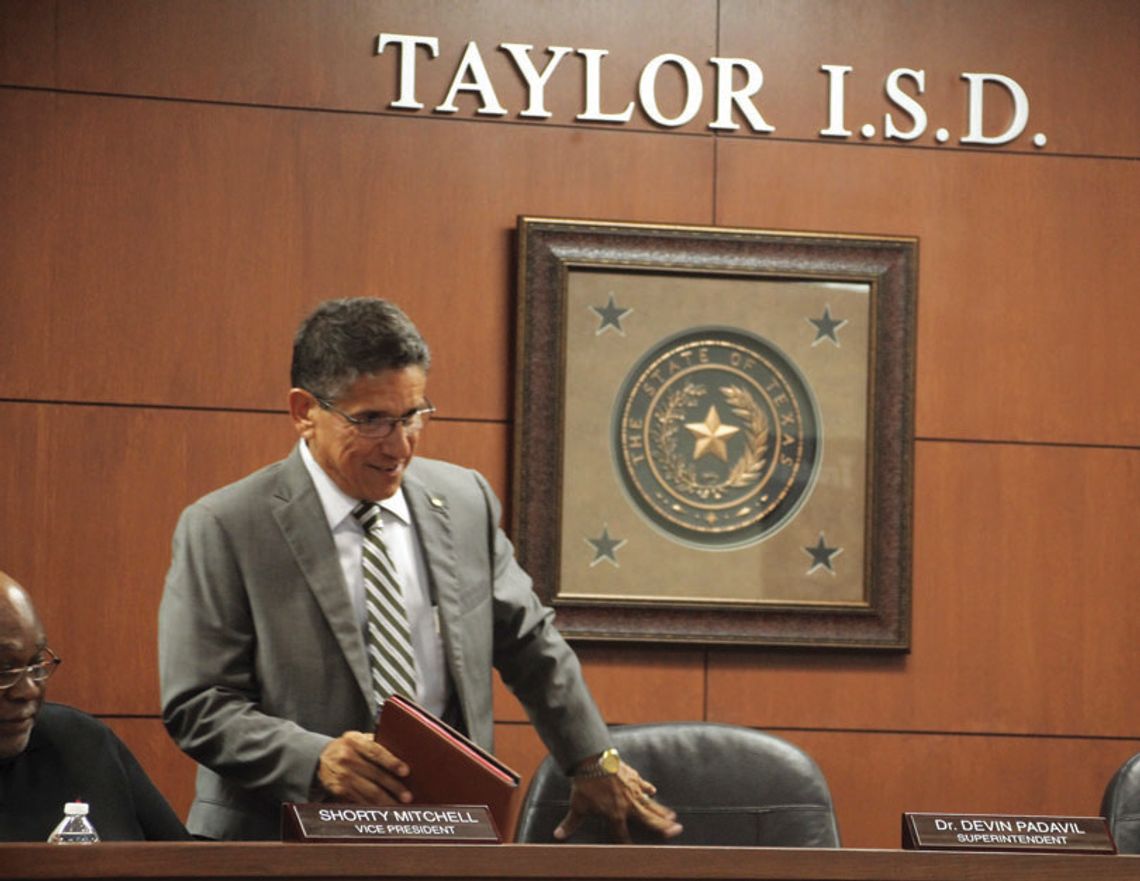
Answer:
(338, 504)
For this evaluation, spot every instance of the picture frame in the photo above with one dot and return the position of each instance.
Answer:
(713, 438)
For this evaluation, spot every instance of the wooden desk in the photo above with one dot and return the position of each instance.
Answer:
(545, 862)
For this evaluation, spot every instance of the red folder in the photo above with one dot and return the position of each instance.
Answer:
(446, 767)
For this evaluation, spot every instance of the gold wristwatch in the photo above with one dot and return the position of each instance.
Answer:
(604, 765)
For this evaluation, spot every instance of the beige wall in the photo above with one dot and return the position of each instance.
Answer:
(180, 181)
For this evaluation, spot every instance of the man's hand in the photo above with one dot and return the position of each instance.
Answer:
(355, 768)
(616, 798)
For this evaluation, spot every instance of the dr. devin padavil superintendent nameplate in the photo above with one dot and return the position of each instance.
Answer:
(716, 437)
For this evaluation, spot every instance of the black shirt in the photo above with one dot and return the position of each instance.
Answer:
(72, 756)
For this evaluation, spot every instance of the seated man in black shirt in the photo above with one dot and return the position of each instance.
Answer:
(51, 754)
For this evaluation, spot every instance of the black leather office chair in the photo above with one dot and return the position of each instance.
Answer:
(729, 786)
(1121, 806)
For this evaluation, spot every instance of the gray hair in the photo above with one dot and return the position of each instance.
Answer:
(342, 340)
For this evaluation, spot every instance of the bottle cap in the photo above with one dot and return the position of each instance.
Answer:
(75, 808)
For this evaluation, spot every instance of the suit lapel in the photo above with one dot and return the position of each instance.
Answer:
(298, 511)
(432, 518)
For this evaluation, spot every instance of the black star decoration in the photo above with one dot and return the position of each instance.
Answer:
(605, 548)
(826, 327)
(611, 315)
(821, 555)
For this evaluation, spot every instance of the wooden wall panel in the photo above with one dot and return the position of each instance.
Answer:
(310, 53)
(313, 54)
(875, 777)
(92, 497)
(632, 685)
(1024, 323)
(1024, 608)
(27, 31)
(519, 746)
(210, 231)
(1064, 53)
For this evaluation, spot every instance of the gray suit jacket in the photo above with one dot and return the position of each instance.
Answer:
(262, 661)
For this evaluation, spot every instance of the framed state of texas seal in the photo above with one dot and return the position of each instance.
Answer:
(714, 433)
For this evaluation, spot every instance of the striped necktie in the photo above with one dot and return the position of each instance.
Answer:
(387, 637)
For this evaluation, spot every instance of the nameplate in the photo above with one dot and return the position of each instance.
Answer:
(1006, 832)
(349, 823)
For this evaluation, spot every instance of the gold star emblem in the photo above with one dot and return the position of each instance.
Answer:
(711, 435)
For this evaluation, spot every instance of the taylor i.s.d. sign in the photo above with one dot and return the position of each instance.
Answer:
(736, 101)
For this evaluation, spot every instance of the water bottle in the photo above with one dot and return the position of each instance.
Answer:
(74, 828)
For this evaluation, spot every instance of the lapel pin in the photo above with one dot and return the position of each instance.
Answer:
(436, 502)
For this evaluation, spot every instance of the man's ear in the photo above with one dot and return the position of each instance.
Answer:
(301, 405)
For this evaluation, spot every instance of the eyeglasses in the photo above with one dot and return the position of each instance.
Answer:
(377, 427)
(37, 672)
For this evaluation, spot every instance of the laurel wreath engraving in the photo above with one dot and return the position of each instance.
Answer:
(682, 475)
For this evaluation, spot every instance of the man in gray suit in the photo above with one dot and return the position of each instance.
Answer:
(263, 644)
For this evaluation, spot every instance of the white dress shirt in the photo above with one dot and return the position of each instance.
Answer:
(400, 537)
